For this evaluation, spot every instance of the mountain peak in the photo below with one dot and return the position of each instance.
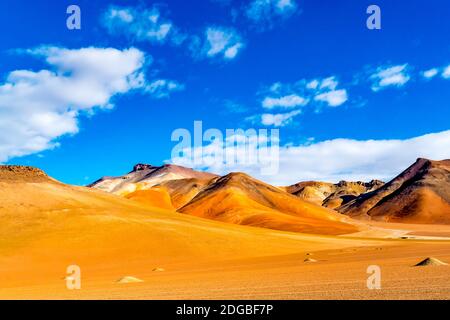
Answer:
(145, 176)
(241, 199)
(21, 173)
(142, 166)
(420, 194)
(236, 176)
(433, 163)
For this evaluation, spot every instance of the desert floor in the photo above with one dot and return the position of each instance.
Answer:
(339, 273)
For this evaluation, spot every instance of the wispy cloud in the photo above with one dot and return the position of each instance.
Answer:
(298, 95)
(443, 71)
(390, 76)
(431, 73)
(222, 42)
(446, 72)
(326, 91)
(289, 101)
(147, 24)
(333, 98)
(140, 24)
(279, 119)
(265, 12)
(162, 88)
(303, 92)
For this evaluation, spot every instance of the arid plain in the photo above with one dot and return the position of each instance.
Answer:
(173, 233)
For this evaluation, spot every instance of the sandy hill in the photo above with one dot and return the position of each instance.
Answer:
(156, 196)
(182, 191)
(144, 176)
(237, 198)
(332, 195)
(420, 194)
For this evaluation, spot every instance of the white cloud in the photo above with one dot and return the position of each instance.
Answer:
(162, 88)
(289, 101)
(395, 76)
(329, 83)
(333, 98)
(312, 85)
(122, 15)
(223, 42)
(37, 107)
(446, 73)
(142, 24)
(232, 52)
(285, 5)
(340, 159)
(303, 92)
(278, 120)
(266, 11)
(431, 73)
(300, 94)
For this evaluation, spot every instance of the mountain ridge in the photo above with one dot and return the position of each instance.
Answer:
(421, 193)
(240, 199)
(331, 195)
(145, 176)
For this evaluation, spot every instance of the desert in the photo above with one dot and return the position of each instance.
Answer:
(222, 237)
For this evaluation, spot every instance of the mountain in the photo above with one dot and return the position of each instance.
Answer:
(182, 191)
(246, 200)
(240, 199)
(331, 195)
(420, 194)
(145, 176)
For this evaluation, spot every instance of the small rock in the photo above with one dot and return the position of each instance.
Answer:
(430, 262)
(129, 279)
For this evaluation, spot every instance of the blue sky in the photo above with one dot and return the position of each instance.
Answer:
(348, 101)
